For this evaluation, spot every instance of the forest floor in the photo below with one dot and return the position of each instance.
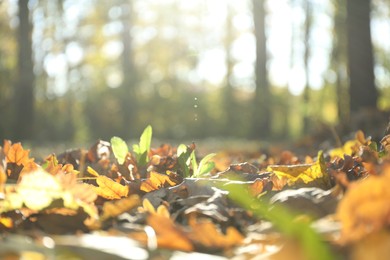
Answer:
(214, 199)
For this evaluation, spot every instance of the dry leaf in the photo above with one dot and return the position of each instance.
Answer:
(168, 234)
(205, 233)
(365, 207)
(156, 181)
(110, 189)
(305, 173)
(115, 208)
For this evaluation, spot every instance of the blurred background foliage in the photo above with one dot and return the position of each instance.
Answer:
(78, 70)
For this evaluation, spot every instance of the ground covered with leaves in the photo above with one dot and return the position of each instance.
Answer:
(113, 202)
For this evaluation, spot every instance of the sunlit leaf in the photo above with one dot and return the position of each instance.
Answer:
(51, 165)
(302, 172)
(119, 148)
(142, 149)
(168, 234)
(39, 189)
(6, 222)
(113, 209)
(205, 166)
(282, 219)
(110, 189)
(156, 181)
(365, 207)
(206, 233)
(16, 154)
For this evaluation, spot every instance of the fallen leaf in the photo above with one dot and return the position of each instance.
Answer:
(110, 189)
(113, 209)
(365, 207)
(168, 234)
(305, 173)
(156, 181)
(205, 233)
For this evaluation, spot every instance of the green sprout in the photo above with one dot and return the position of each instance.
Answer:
(142, 149)
(187, 159)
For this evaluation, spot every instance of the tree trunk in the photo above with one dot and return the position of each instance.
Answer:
(24, 88)
(362, 90)
(339, 60)
(128, 99)
(228, 99)
(261, 126)
(307, 32)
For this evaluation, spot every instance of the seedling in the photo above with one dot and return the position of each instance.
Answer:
(187, 159)
(142, 149)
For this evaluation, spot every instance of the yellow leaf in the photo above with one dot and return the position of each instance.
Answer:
(350, 147)
(115, 208)
(156, 181)
(38, 189)
(301, 172)
(110, 189)
(6, 222)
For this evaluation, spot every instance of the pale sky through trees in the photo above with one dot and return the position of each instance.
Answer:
(282, 19)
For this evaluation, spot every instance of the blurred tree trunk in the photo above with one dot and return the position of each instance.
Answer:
(228, 99)
(307, 31)
(129, 99)
(24, 88)
(362, 90)
(339, 60)
(261, 126)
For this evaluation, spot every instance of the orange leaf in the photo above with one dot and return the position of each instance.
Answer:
(168, 234)
(110, 189)
(52, 166)
(365, 207)
(16, 154)
(156, 181)
(161, 210)
(208, 235)
(115, 208)
(6, 222)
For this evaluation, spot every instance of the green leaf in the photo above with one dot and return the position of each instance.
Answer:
(282, 219)
(142, 149)
(182, 148)
(183, 156)
(146, 139)
(205, 166)
(119, 148)
(193, 162)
